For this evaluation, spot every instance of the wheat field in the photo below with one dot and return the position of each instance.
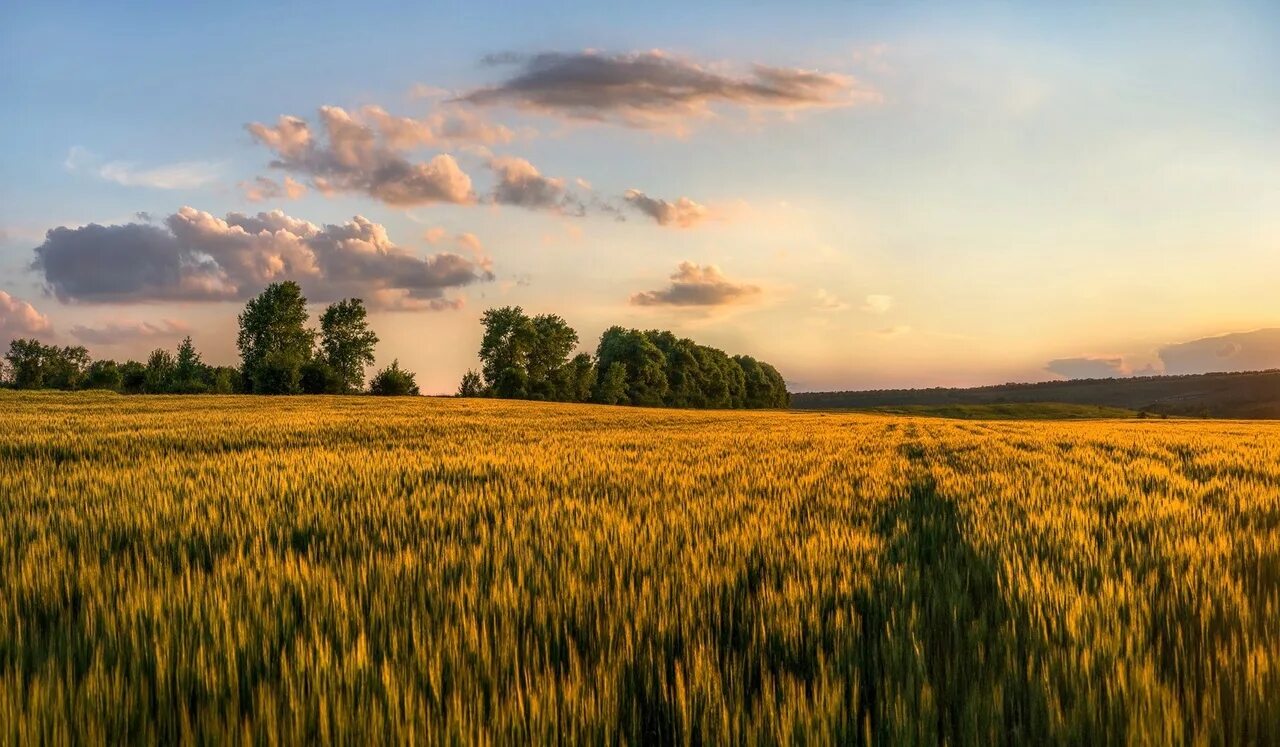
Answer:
(364, 570)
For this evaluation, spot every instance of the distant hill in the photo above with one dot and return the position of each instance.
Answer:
(1254, 395)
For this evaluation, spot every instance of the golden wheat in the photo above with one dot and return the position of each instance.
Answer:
(227, 569)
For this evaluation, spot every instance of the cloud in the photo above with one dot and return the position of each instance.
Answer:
(683, 213)
(897, 330)
(1242, 351)
(183, 175)
(114, 333)
(877, 303)
(357, 157)
(1089, 367)
(520, 183)
(824, 300)
(265, 188)
(654, 89)
(697, 285)
(466, 242)
(196, 256)
(20, 319)
(442, 128)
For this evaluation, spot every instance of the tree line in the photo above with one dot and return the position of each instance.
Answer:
(279, 354)
(521, 357)
(524, 357)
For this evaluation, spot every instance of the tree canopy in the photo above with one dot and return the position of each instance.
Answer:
(525, 357)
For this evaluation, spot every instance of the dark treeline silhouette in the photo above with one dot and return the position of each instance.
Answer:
(523, 357)
(279, 354)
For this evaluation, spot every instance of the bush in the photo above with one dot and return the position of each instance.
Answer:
(318, 377)
(393, 381)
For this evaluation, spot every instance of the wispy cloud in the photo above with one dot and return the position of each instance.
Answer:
(115, 333)
(182, 175)
(262, 188)
(656, 90)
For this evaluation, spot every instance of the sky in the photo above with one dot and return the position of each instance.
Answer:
(865, 194)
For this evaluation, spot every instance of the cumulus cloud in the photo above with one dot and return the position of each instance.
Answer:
(114, 333)
(1242, 351)
(683, 213)
(877, 303)
(20, 319)
(354, 156)
(182, 175)
(265, 188)
(520, 183)
(697, 285)
(196, 256)
(655, 89)
(1089, 367)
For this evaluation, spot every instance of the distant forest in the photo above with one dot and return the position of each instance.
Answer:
(521, 357)
(1221, 395)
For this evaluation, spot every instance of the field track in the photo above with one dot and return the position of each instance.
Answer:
(373, 570)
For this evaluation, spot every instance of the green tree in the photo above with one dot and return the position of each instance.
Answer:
(223, 380)
(471, 386)
(133, 377)
(611, 388)
(553, 341)
(26, 359)
(274, 341)
(189, 372)
(160, 372)
(646, 378)
(64, 368)
(683, 369)
(765, 387)
(393, 381)
(104, 374)
(509, 337)
(577, 379)
(346, 342)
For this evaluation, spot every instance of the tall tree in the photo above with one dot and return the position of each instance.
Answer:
(159, 376)
(346, 342)
(26, 363)
(188, 370)
(509, 337)
(553, 341)
(274, 341)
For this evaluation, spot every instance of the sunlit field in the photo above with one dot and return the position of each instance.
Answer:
(426, 570)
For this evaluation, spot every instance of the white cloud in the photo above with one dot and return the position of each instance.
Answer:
(182, 175)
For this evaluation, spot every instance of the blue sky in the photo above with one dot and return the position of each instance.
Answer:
(971, 195)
